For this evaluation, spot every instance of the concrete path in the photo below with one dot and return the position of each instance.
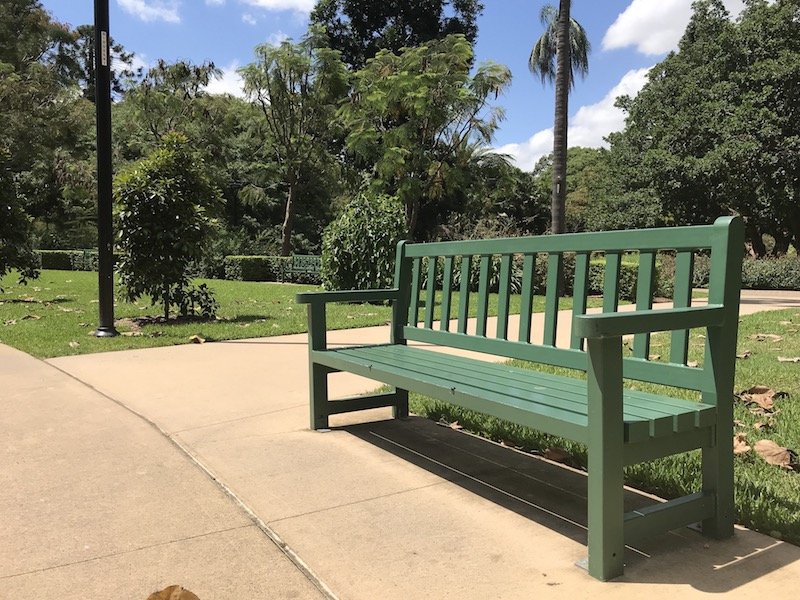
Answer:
(98, 502)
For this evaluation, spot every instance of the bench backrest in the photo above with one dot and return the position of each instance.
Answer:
(464, 272)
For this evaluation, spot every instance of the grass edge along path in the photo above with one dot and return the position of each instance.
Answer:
(767, 496)
(55, 315)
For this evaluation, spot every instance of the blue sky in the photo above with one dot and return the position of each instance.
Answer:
(627, 37)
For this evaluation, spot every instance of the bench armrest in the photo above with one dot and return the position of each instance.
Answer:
(347, 296)
(645, 321)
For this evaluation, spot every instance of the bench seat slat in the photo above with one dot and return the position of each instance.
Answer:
(668, 414)
(535, 392)
(643, 418)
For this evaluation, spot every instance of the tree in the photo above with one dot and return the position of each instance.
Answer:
(360, 28)
(297, 87)
(16, 251)
(410, 113)
(716, 128)
(46, 128)
(166, 207)
(80, 54)
(562, 49)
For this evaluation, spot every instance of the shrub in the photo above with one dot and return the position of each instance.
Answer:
(59, 260)
(256, 268)
(165, 203)
(358, 248)
(628, 273)
(772, 273)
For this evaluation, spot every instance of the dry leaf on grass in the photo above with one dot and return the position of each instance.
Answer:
(557, 455)
(784, 322)
(794, 359)
(693, 364)
(776, 455)
(763, 337)
(131, 333)
(31, 318)
(740, 445)
(74, 344)
(196, 339)
(10, 322)
(654, 357)
(745, 354)
(761, 396)
(455, 425)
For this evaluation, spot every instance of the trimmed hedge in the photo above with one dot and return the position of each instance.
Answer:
(69, 260)
(772, 273)
(257, 268)
(627, 278)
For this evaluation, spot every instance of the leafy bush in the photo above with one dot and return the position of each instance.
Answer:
(628, 273)
(58, 260)
(772, 273)
(256, 268)
(358, 248)
(165, 207)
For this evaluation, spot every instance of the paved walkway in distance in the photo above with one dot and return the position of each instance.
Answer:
(97, 502)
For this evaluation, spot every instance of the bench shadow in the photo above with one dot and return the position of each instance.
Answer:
(555, 496)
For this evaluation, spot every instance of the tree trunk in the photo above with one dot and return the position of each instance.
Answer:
(563, 74)
(288, 219)
(166, 304)
(759, 250)
(412, 216)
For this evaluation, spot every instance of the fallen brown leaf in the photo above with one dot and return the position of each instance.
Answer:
(196, 339)
(173, 592)
(784, 322)
(761, 396)
(31, 318)
(74, 344)
(557, 454)
(654, 357)
(693, 363)
(10, 322)
(745, 354)
(740, 445)
(455, 425)
(794, 359)
(131, 333)
(763, 337)
(775, 454)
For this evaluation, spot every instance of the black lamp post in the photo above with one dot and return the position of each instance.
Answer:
(105, 235)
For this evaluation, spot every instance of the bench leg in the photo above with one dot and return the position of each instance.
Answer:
(318, 385)
(400, 409)
(717, 465)
(606, 436)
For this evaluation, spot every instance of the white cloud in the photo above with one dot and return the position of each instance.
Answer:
(302, 6)
(588, 126)
(655, 27)
(230, 82)
(249, 19)
(152, 10)
(215, 2)
(277, 38)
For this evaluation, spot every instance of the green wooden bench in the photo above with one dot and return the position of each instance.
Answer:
(619, 426)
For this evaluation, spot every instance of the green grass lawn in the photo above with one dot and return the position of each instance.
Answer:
(767, 497)
(55, 315)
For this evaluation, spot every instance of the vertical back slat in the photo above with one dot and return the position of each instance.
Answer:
(504, 296)
(555, 267)
(526, 301)
(682, 297)
(644, 299)
(430, 291)
(580, 291)
(611, 283)
(447, 293)
(413, 303)
(463, 295)
(483, 295)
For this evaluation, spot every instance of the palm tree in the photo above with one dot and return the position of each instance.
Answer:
(562, 49)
